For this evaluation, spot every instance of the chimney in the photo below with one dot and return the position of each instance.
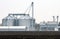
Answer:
(53, 18)
(57, 19)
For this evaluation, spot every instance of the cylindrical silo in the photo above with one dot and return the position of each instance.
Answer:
(26, 20)
(8, 21)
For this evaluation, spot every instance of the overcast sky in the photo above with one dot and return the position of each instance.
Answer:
(43, 9)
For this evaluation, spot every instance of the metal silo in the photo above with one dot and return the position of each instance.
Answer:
(26, 20)
(8, 21)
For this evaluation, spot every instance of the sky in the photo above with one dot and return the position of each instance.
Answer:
(43, 9)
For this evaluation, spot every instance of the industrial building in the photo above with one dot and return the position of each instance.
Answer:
(50, 25)
(29, 22)
(23, 26)
(26, 20)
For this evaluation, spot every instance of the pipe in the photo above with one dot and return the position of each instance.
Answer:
(57, 19)
(53, 18)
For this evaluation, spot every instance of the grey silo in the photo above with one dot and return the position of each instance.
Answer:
(13, 20)
(8, 21)
(26, 20)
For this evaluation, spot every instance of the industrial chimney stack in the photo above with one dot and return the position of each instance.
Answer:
(57, 19)
(53, 18)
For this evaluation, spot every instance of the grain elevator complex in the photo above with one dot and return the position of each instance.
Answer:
(23, 26)
(14, 22)
(18, 20)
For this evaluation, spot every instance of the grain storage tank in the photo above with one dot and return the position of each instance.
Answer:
(26, 20)
(8, 21)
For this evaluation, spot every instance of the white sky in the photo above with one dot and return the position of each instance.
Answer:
(43, 9)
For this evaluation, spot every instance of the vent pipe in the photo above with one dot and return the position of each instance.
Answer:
(57, 19)
(53, 18)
